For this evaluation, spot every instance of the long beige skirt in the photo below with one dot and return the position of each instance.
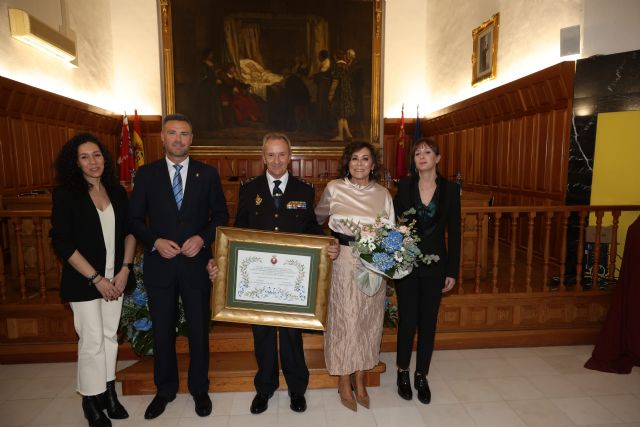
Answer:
(354, 320)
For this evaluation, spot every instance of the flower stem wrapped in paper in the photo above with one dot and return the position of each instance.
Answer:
(385, 251)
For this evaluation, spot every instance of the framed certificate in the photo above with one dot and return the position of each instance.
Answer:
(269, 278)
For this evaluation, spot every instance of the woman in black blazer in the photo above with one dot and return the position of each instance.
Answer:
(436, 202)
(89, 234)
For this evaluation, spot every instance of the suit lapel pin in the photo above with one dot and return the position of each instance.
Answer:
(258, 200)
(197, 174)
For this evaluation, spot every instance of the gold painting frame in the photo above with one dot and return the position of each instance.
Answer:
(225, 308)
(484, 60)
(374, 80)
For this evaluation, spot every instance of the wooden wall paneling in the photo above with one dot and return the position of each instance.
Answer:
(295, 166)
(309, 168)
(39, 171)
(541, 151)
(503, 150)
(515, 154)
(526, 148)
(6, 156)
(22, 155)
(476, 149)
(49, 148)
(34, 124)
(511, 140)
(256, 167)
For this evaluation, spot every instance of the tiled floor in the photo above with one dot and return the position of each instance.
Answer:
(508, 387)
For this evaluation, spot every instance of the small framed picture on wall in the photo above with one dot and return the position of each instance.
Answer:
(484, 60)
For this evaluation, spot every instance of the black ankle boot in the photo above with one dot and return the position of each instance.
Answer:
(92, 408)
(114, 408)
(422, 386)
(404, 385)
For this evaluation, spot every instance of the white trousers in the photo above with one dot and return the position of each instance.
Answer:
(96, 323)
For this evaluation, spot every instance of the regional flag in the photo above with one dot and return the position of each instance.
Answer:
(138, 147)
(126, 161)
(401, 151)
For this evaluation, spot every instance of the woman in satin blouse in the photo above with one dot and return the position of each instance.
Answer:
(354, 319)
(437, 209)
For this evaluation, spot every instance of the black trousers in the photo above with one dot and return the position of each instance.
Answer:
(163, 306)
(418, 303)
(294, 368)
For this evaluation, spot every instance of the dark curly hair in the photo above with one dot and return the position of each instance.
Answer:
(354, 146)
(68, 173)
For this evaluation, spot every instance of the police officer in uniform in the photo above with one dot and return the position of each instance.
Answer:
(278, 201)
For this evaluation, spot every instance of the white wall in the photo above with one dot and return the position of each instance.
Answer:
(404, 60)
(529, 40)
(117, 46)
(136, 56)
(427, 47)
(611, 26)
(428, 43)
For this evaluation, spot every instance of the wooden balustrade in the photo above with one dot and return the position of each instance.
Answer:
(514, 263)
(33, 272)
(30, 263)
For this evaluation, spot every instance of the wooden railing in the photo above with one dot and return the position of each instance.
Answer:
(529, 249)
(530, 245)
(26, 246)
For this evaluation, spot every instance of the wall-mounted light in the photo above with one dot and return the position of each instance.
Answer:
(35, 33)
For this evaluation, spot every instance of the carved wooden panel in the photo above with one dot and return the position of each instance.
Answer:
(518, 311)
(511, 141)
(34, 124)
(22, 328)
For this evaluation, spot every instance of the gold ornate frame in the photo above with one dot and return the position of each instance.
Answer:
(226, 311)
(488, 29)
(376, 63)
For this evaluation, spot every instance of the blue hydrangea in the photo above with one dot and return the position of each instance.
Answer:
(392, 241)
(143, 324)
(139, 297)
(383, 261)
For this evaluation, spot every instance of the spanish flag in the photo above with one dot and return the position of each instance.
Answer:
(138, 147)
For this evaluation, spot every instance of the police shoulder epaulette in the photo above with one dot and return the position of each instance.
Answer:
(309, 183)
(248, 180)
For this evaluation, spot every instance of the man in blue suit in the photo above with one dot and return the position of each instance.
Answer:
(176, 205)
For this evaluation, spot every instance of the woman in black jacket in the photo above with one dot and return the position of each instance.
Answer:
(436, 202)
(89, 234)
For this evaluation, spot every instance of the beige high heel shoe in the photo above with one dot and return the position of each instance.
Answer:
(362, 400)
(348, 403)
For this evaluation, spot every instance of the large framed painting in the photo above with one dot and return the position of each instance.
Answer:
(485, 50)
(240, 68)
(271, 278)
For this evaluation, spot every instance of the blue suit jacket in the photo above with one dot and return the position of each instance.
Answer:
(153, 214)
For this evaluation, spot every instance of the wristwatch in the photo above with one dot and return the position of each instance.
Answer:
(129, 265)
(92, 277)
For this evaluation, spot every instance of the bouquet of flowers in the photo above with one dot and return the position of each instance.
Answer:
(135, 322)
(386, 250)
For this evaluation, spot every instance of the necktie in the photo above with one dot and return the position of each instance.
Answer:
(177, 186)
(277, 193)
